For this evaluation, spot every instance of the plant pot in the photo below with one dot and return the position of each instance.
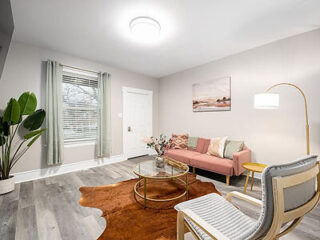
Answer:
(7, 185)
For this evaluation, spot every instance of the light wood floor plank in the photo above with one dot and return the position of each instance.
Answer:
(46, 220)
(26, 227)
(26, 198)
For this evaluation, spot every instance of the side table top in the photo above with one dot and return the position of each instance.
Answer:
(255, 167)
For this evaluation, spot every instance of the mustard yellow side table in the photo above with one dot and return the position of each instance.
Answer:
(252, 167)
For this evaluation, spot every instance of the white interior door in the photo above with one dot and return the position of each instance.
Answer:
(137, 121)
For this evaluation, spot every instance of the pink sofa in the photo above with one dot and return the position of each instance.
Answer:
(198, 158)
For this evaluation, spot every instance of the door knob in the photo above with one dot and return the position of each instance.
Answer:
(129, 129)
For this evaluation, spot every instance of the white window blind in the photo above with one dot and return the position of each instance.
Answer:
(80, 106)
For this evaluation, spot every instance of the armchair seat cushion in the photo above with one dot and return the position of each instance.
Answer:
(220, 214)
(182, 155)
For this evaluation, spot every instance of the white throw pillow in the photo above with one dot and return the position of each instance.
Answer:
(216, 147)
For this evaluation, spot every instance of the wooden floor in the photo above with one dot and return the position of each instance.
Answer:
(48, 208)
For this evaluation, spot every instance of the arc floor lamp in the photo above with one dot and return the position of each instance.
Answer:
(268, 100)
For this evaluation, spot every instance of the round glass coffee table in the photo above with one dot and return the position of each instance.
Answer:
(171, 171)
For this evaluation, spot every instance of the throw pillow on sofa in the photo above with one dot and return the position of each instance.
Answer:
(179, 141)
(192, 142)
(232, 147)
(216, 147)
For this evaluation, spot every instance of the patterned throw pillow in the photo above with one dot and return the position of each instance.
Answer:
(179, 141)
(216, 147)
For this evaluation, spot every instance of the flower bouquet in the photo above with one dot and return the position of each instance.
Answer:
(159, 145)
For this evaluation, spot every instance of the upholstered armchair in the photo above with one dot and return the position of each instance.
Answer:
(289, 191)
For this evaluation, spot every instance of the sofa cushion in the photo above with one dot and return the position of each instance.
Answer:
(179, 141)
(182, 155)
(232, 147)
(203, 144)
(211, 163)
(192, 149)
(216, 147)
(192, 142)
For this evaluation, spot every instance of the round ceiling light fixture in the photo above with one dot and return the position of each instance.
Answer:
(145, 29)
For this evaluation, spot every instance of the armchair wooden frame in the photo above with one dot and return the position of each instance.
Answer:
(280, 216)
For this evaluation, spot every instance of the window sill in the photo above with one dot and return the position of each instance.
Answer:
(78, 144)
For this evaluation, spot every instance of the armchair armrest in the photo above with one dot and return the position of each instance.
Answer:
(244, 197)
(202, 224)
(239, 158)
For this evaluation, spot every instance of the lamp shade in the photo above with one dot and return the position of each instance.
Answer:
(266, 101)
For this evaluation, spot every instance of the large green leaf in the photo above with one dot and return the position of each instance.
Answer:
(12, 112)
(1, 126)
(34, 133)
(34, 139)
(28, 103)
(4, 127)
(35, 120)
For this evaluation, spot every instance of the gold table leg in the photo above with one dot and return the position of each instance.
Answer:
(145, 191)
(252, 180)
(187, 194)
(245, 186)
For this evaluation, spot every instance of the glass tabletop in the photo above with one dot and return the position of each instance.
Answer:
(171, 169)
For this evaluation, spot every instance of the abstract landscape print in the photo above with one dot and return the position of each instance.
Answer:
(212, 95)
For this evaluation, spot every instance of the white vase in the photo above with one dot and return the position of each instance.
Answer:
(7, 185)
(160, 162)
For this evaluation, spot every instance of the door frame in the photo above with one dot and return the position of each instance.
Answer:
(125, 91)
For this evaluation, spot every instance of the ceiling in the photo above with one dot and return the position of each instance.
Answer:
(193, 32)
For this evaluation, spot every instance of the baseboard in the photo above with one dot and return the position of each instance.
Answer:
(65, 168)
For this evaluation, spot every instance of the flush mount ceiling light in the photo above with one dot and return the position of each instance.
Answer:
(145, 29)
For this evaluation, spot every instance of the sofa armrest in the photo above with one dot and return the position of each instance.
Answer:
(238, 159)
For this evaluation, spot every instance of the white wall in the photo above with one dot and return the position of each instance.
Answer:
(25, 71)
(275, 136)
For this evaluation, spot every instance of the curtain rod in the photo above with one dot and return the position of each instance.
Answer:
(81, 69)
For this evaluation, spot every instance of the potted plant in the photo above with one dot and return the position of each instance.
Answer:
(19, 129)
(158, 144)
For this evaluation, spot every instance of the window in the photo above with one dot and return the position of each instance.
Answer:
(80, 106)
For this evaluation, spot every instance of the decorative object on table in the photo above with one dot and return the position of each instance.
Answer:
(269, 100)
(252, 167)
(216, 147)
(158, 144)
(171, 171)
(128, 220)
(179, 141)
(18, 115)
(212, 96)
(160, 162)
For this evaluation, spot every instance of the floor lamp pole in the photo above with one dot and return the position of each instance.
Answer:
(305, 106)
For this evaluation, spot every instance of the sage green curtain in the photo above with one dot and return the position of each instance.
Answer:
(54, 124)
(103, 148)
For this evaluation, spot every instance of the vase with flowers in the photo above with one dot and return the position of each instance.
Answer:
(159, 145)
